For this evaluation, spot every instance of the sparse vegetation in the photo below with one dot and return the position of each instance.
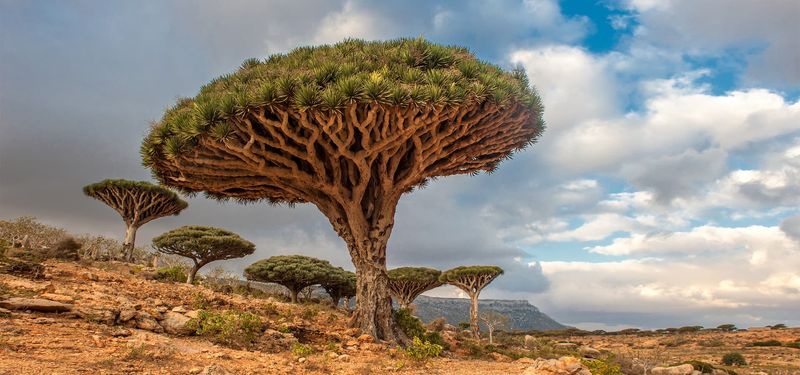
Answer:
(232, 328)
(301, 350)
(603, 366)
(176, 274)
(766, 343)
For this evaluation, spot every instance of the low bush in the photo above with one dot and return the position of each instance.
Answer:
(766, 343)
(301, 350)
(232, 328)
(733, 359)
(603, 366)
(409, 324)
(795, 345)
(422, 350)
(437, 325)
(701, 366)
(174, 274)
(713, 343)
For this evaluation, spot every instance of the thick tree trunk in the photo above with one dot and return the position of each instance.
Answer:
(373, 312)
(192, 273)
(130, 241)
(473, 315)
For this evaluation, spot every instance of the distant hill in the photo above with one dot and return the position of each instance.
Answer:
(522, 315)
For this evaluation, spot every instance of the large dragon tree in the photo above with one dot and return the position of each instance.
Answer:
(471, 279)
(407, 283)
(202, 245)
(350, 128)
(138, 202)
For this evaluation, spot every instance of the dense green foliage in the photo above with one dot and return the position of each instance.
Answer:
(421, 350)
(408, 323)
(174, 274)
(399, 72)
(467, 271)
(203, 244)
(232, 328)
(733, 359)
(418, 274)
(295, 272)
(339, 283)
(602, 366)
(767, 343)
(143, 186)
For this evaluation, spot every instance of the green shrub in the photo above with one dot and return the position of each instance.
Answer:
(301, 350)
(409, 324)
(175, 274)
(422, 350)
(733, 359)
(436, 338)
(701, 366)
(463, 325)
(795, 345)
(232, 328)
(605, 366)
(767, 343)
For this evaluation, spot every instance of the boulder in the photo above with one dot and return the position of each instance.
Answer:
(57, 297)
(175, 323)
(146, 322)
(34, 304)
(126, 314)
(530, 342)
(500, 357)
(589, 352)
(97, 314)
(566, 346)
(561, 366)
(685, 369)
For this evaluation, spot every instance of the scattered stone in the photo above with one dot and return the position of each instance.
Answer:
(561, 366)
(57, 297)
(216, 370)
(344, 358)
(179, 309)
(89, 276)
(192, 314)
(44, 321)
(126, 314)
(35, 304)
(175, 323)
(278, 341)
(301, 359)
(526, 360)
(195, 370)
(685, 369)
(365, 338)
(97, 341)
(449, 327)
(589, 352)
(4, 312)
(121, 332)
(331, 355)
(500, 357)
(351, 343)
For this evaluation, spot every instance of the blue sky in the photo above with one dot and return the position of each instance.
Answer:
(664, 191)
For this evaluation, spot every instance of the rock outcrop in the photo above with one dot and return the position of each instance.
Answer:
(561, 366)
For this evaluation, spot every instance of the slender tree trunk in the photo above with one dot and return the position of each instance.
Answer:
(336, 301)
(293, 295)
(491, 335)
(473, 315)
(130, 241)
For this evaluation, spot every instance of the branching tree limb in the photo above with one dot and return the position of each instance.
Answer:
(406, 283)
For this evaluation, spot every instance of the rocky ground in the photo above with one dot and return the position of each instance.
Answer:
(113, 318)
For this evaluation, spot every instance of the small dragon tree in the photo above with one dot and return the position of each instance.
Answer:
(493, 320)
(350, 128)
(471, 279)
(340, 284)
(138, 202)
(295, 272)
(202, 245)
(406, 283)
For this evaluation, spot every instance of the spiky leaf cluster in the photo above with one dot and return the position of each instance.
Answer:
(143, 186)
(469, 271)
(292, 271)
(401, 72)
(203, 244)
(415, 274)
(138, 202)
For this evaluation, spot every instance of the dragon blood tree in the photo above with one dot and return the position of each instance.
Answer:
(295, 272)
(406, 283)
(339, 284)
(202, 245)
(471, 279)
(138, 202)
(350, 128)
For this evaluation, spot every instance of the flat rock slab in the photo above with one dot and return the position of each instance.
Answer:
(34, 304)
